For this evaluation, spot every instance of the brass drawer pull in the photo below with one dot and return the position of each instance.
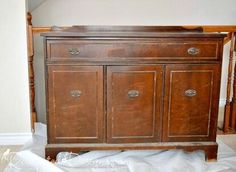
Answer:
(190, 93)
(133, 93)
(75, 93)
(193, 51)
(73, 51)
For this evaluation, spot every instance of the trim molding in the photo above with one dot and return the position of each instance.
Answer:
(222, 102)
(14, 138)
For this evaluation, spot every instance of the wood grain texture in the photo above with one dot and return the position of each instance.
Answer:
(31, 70)
(233, 102)
(226, 125)
(134, 119)
(135, 81)
(71, 117)
(205, 28)
(168, 49)
(191, 118)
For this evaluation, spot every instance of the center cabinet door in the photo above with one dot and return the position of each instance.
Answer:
(75, 104)
(134, 96)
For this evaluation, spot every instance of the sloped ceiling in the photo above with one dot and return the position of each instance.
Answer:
(33, 4)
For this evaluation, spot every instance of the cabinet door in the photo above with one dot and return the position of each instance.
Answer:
(191, 102)
(134, 103)
(75, 104)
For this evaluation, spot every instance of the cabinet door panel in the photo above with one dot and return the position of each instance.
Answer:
(134, 101)
(191, 102)
(75, 104)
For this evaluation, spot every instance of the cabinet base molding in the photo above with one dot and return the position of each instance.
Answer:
(210, 148)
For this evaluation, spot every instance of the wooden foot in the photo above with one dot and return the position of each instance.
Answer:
(211, 153)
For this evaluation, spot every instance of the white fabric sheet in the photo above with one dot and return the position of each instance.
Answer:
(31, 159)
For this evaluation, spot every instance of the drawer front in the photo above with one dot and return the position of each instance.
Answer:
(132, 50)
(75, 104)
(191, 102)
(134, 104)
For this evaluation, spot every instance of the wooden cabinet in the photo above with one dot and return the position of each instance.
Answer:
(122, 88)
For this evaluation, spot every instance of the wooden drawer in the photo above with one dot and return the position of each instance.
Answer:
(132, 50)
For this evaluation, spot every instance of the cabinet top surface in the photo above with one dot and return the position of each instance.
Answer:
(131, 32)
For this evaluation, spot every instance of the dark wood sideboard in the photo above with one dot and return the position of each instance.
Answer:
(132, 88)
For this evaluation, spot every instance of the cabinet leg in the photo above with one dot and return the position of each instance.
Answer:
(211, 153)
(209, 150)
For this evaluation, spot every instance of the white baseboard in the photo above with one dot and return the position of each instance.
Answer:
(14, 138)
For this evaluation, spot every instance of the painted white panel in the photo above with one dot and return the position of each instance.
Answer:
(14, 87)
(15, 138)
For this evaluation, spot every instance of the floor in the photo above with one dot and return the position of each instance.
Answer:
(7, 152)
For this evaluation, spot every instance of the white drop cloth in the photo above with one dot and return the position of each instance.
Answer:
(30, 159)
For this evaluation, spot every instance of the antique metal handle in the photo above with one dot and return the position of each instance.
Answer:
(75, 93)
(193, 51)
(73, 51)
(190, 93)
(133, 93)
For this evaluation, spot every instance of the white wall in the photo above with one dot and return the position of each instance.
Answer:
(14, 87)
(135, 12)
(129, 12)
(32, 4)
